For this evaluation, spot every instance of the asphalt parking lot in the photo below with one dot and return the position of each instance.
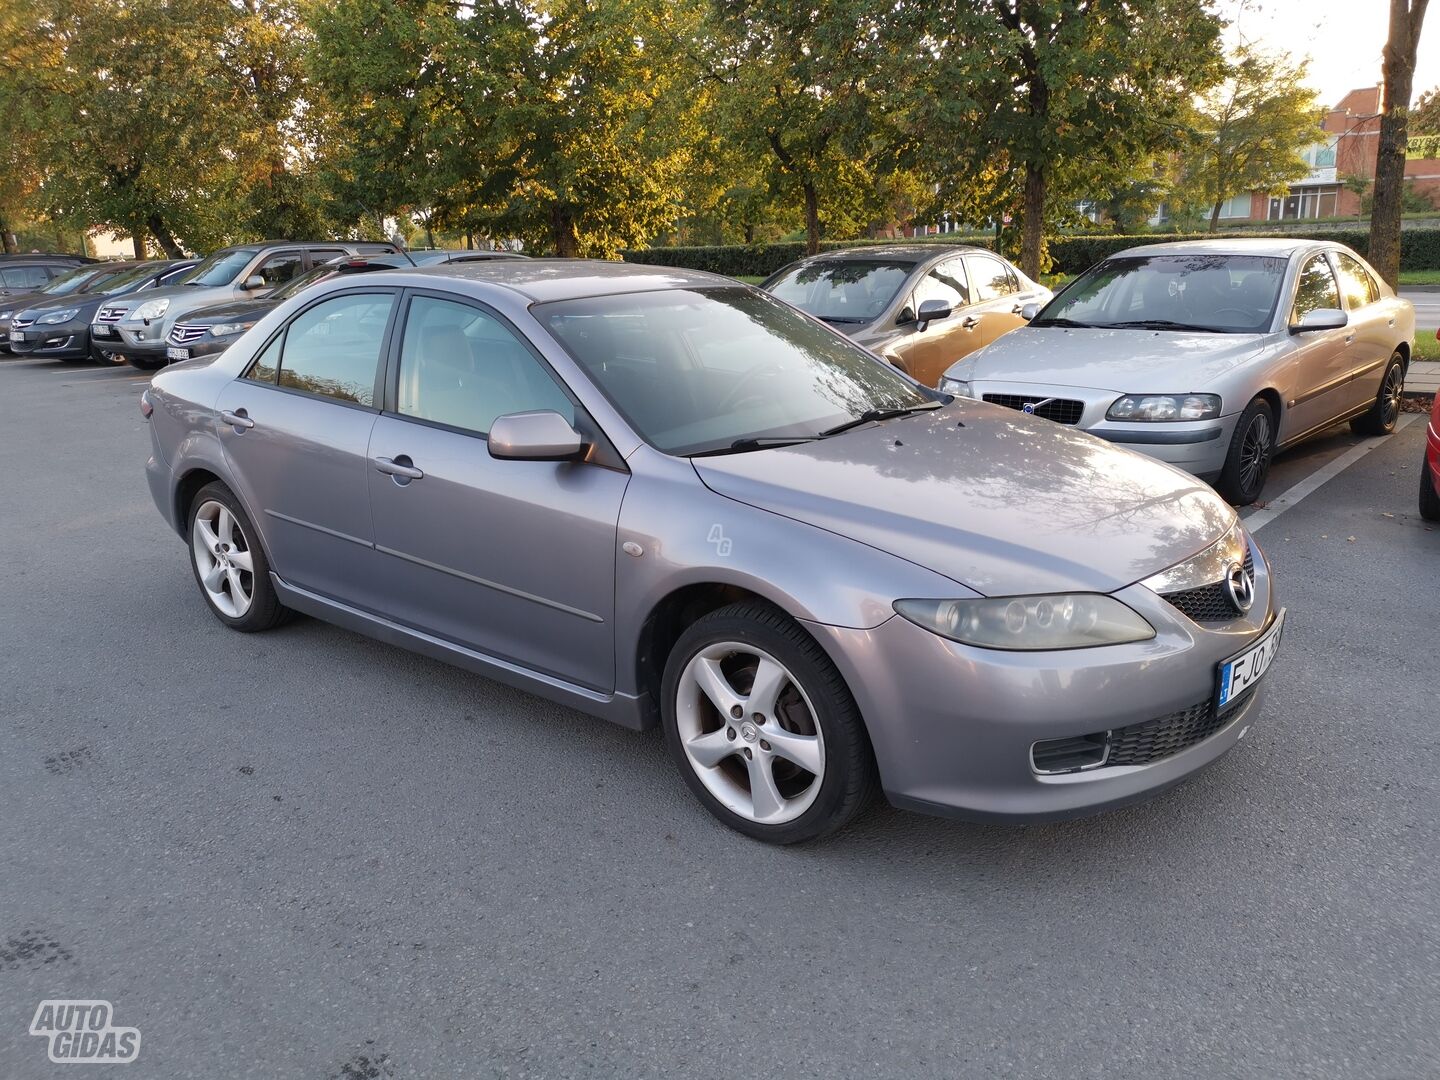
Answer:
(305, 854)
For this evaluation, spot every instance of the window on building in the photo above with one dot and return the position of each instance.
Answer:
(1237, 206)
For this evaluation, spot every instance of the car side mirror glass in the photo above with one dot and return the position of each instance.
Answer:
(254, 281)
(930, 310)
(535, 436)
(1029, 311)
(1319, 319)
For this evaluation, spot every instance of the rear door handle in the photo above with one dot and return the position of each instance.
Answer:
(400, 465)
(237, 419)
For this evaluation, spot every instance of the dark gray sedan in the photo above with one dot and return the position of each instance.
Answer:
(662, 497)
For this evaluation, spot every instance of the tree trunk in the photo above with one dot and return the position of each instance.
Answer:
(1399, 72)
(163, 238)
(1215, 215)
(812, 218)
(137, 237)
(563, 233)
(749, 233)
(1032, 222)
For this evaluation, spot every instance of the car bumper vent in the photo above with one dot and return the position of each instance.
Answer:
(1060, 410)
(1210, 603)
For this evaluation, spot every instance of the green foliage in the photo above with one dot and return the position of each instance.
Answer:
(740, 260)
(1423, 146)
(1425, 115)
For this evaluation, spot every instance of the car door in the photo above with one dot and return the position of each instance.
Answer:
(1320, 368)
(996, 292)
(1372, 325)
(515, 559)
(296, 431)
(927, 353)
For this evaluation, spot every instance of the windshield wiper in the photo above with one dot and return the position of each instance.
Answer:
(870, 416)
(753, 442)
(1060, 320)
(1163, 324)
(841, 318)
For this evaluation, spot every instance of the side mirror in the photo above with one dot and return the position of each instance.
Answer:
(930, 310)
(1319, 319)
(534, 436)
(254, 281)
(1029, 311)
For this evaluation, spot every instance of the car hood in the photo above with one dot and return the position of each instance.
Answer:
(239, 309)
(18, 302)
(61, 303)
(1125, 361)
(1004, 503)
(182, 298)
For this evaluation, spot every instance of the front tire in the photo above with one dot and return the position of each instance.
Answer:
(1429, 498)
(1384, 413)
(145, 363)
(1247, 463)
(763, 728)
(230, 565)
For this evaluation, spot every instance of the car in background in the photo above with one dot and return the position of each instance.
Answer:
(78, 280)
(25, 273)
(59, 328)
(1430, 466)
(438, 257)
(1209, 354)
(920, 306)
(246, 271)
(664, 497)
(212, 330)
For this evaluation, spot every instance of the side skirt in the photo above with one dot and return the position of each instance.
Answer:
(623, 709)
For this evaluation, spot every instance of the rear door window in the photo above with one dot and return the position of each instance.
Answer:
(1359, 287)
(333, 349)
(24, 277)
(280, 268)
(991, 278)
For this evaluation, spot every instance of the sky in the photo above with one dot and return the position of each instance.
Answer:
(1343, 38)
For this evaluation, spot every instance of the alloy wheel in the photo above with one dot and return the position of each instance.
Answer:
(1390, 395)
(1255, 452)
(223, 558)
(749, 731)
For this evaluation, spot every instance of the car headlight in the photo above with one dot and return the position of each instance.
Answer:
(151, 309)
(1029, 623)
(55, 317)
(953, 386)
(1159, 407)
(226, 329)
(7, 313)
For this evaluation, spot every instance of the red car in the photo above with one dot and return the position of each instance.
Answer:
(1430, 468)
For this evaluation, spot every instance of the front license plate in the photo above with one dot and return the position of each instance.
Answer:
(173, 353)
(16, 335)
(100, 330)
(1241, 672)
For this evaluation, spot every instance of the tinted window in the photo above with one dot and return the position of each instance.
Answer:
(842, 290)
(945, 282)
(992, 278)
(462, 367)
(267, 364)
(1360, 288)
(278, 269)
(324, 255)
(333, 348)
(24, 277)
(695, 370)
(1316, 288)
(124, 282)
(177, 276)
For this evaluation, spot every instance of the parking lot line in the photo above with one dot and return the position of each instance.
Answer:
(1292, 495)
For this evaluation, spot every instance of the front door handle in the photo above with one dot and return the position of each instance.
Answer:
(1349, 339)
(969, 322)
(239, 419)
(400, 467)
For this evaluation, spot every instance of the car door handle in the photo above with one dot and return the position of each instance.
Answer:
(237, 419)
(969, 322)
(399, 465)
(1349, 339)
(1017, 309)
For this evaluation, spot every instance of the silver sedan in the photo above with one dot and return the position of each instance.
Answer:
(1211, 354)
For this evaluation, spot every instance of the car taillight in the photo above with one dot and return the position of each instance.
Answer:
(146, 406)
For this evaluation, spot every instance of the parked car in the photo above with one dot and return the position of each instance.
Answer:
(438, 257)
(59, 328)
(26, 273)
(1209, 354)
(247, 271)
(660, 496)
(79, 280)
(1430, 467)
(920, 306)
(212, 330)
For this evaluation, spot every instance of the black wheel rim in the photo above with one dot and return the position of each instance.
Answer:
(1255, 453)
(1390, 396)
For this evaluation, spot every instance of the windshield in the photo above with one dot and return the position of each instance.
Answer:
(124, 282)
(68, 283)
(301, 283)
(221, 268)
(698, 370)
(1228, 294)
(842, 290)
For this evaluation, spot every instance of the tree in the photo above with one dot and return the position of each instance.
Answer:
(1359, 186)
(1398, 67)
(1425, 116)
(1250, 130)
(1036, 104)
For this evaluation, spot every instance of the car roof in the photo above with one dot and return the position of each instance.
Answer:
(1278, 247)
(897, 252)
(542, 280)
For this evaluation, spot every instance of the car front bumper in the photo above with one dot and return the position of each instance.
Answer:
(953, 726)
(62, 342)
(145, 343)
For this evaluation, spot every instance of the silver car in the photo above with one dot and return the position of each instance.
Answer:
(1209, 354)
(665, 498)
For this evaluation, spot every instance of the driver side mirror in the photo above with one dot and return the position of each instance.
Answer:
(535, 436)
(1029, 311)
(930, 310)
(1319, 319)
(253, 282)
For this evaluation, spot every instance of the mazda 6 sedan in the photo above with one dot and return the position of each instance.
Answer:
(1209, 354)
(665, 498)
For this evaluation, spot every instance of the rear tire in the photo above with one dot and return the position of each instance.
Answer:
(1429, 498)
(1247, 463)
(1385, 411)
(229, 564)
(787, 758)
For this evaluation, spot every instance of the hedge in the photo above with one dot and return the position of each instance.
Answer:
(1419, 250)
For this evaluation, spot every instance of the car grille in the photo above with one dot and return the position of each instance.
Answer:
(185, 333)
(1210, 603)
(1060, 410)
(110, 314)
(20, 324)
(1139, 744)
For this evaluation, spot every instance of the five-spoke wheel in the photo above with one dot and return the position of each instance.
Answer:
(229, 562)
